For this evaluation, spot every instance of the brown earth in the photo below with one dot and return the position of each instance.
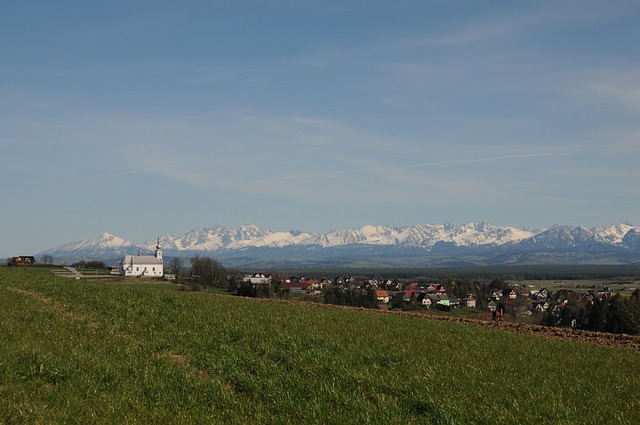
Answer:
(598, 338)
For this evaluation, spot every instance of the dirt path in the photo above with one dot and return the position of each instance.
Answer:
(598, 338)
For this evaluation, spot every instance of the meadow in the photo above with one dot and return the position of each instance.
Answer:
(76, 351)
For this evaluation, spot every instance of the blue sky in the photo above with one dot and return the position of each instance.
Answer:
(152, 117)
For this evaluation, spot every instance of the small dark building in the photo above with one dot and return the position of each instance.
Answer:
(23, 260)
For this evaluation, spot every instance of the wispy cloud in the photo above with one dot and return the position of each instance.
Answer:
(466, 36)
(626, 93)
(489, 29)
(498, 158)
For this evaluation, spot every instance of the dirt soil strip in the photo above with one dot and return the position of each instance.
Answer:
(57, 307)
(182, 361)
(599, 338)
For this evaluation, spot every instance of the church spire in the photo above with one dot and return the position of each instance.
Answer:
(158, 250)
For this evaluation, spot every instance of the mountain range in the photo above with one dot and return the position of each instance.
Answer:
(378, 246)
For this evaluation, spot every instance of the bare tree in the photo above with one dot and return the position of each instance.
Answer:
(208, 272)
(46, 259)
(177, 266)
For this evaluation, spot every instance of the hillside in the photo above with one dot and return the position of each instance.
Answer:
(90, 352)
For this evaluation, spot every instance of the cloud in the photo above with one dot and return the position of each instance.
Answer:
(480, 30)
(466, 36)
(623, 92)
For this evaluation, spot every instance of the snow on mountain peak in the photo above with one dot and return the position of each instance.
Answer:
(612, 234)
(107, 239)
(424, 236)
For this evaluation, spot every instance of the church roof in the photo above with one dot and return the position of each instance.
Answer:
(141, 259)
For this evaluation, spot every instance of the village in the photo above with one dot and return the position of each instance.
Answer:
(482, 299)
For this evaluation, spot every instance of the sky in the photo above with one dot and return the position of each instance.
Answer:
(152, 117)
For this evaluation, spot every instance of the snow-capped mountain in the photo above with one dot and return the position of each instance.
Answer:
(558, 237)
(217, 238)
(631, 240)
(421, 239)
(613, 234)
(103, 245)
(563, 238)
(425, 235)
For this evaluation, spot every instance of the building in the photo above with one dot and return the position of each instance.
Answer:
(23, 260)
(143, 265)
(469, 302)
(382, 296)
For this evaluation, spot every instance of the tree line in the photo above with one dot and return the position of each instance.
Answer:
(616, 314)
(205, 272)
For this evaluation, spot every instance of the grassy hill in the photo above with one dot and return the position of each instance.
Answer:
(83, 352)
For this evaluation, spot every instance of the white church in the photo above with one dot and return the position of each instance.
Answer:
(143, 265)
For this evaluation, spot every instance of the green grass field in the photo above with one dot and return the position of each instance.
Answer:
(83, 352)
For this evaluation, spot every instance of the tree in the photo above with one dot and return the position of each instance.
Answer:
(177, 266)
(235, 281)
(597, 315)
(95, 264)
(499, 283)
(623, 315)
(208, 272)
(462, 288)
(46, 259)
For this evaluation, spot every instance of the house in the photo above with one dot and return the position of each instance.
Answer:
(424, 300)
(431, 288)
(588, 298)
(316, 286)
(382, 296)
(398, 297)
(604, 295)
(143, 265)
(540, 295)
(299, 287)
(510, 294)
(540, 307)
(468, 302)
(434, 298)
(259, 279)
(411, 293)
(23, 260)
(492, 306)
(443, 299)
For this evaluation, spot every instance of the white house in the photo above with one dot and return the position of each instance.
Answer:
(260, 278)
(143, 265)
(382, 296)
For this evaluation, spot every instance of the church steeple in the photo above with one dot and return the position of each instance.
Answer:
(158, 250)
